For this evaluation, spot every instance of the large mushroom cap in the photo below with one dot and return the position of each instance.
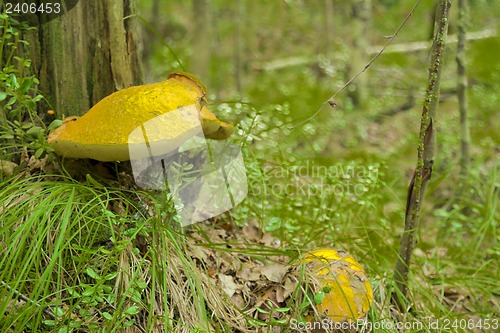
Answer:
(349, 294)
(103, 132)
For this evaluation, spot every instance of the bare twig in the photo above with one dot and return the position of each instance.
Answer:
(444, 96)
(425, 159)
(45, 309)
(331, 100)
(50, 314)
(24, 298)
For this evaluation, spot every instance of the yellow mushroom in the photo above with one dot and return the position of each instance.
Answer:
(348, 293)
(103, 132)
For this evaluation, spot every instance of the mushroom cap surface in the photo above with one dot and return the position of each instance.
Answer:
(349, 294)
(103, 132)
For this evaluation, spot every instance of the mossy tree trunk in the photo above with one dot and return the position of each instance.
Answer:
(425, 160)
(86, 54)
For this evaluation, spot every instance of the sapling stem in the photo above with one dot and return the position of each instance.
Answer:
(425, 160)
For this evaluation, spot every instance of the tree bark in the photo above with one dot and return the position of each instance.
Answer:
(87, 54)
(462, 87)
(202, 38)
(361, 17)
(327, 46)
(238, 47)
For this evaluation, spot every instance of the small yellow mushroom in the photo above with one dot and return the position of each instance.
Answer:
(103, 132)
(348, 293)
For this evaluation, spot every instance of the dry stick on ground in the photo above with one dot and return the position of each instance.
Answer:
(425, 159)
(25, 299)
(50, 314)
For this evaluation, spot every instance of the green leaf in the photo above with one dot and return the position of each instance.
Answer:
(55, 124)
(26, 85)
(106, 212)
(274, 321)
(90, 272)
(261, 310)
(13, 80)
(3, 95)
(141, 284)
(107, 315)
(58, 311)
(93, 182)
(318, 298)
(73, 292)
(105, 251)
(88, 292)
(39, 152)
(35, 131)
(12, 100)
(133, 310)
(110, 276)
(136, 296)
(281, 310)
(29, 104)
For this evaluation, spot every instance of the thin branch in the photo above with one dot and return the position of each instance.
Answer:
(331, 100)
(50, 314)
(26, 299)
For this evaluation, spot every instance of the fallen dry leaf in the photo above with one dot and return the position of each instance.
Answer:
(250, 272)
(275, 272)
(227, 284)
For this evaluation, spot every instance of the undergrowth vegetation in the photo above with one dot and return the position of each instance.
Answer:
(86, 254)
(20, 125)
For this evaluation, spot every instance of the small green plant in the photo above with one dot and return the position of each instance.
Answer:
(274, 313)
(20, 125)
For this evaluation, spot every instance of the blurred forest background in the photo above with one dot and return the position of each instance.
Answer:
(340, 178)
(270, 65)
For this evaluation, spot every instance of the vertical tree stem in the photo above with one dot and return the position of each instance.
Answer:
(425, 159)
(462, 87)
